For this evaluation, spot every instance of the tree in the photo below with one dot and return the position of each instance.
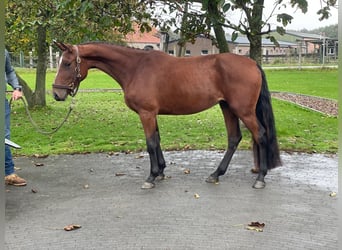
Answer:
(215, 16)
(212, 15)
(251, 23)
(33, 24)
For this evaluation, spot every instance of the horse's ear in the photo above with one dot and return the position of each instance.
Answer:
(62, 46)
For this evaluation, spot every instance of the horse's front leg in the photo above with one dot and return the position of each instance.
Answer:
(157, 161)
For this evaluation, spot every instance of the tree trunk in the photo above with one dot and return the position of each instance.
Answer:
(182, 39)
(38, 97)
(255, 48)
(254, 36)
(215, 15)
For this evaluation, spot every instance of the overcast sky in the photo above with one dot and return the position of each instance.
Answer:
(309, 20)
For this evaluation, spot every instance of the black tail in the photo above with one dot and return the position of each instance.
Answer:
(264, 113)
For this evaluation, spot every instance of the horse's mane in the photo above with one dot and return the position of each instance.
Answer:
(111, 44)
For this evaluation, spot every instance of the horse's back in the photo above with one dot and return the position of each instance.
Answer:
(189, 85)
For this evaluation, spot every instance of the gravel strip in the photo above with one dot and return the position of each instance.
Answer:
(323, 105)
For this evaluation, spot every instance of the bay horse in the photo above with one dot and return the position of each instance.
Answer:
(155, 83)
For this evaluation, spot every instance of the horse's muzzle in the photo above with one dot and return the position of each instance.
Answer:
(57, 98)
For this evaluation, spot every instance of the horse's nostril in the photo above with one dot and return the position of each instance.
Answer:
(56, 97)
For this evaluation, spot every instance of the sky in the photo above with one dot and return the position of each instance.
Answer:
(309, 20)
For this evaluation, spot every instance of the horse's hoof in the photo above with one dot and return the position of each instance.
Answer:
(161, 177)
(212, 179)
(147, 185)
(255, 170)
(259, 184)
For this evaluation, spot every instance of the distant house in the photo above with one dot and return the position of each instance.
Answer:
(291, 44)
(146, 40)
(202, 46)
(314, 43)
(241, 46)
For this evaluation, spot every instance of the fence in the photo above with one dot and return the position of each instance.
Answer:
(316, 59)
(29, 60)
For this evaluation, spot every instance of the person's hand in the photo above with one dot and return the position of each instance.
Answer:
(17, 94)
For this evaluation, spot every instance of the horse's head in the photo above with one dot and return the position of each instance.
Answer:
(70, 72)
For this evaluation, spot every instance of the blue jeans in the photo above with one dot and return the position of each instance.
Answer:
(9, 164)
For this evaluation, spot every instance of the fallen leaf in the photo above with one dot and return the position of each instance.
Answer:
(86, 186)
(139, 156)
(38, 164)
(40, 156)
(333, 194)
(256, 226)
(196, 196)
(187, 171)
(71, 227)
(113, 153)
(33, 190)
(120, 174)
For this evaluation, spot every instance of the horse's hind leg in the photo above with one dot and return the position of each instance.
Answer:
(260, 140)
(160, 157)
(255, 168)
(234, 137)
(262, 156)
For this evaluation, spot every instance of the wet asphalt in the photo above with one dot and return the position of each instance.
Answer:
(101, 193)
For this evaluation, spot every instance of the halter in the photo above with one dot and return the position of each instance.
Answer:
(73, 87)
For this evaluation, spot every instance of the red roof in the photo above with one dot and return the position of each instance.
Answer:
(146, 37)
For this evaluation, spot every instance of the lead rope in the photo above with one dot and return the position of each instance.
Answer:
(34, 124)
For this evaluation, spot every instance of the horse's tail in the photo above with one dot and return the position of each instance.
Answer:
(264, 113)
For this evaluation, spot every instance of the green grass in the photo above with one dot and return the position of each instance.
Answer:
(322, 82)
(101, 122)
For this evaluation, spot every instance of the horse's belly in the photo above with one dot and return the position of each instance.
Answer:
(182, 105)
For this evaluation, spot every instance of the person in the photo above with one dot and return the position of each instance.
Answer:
(11, 178)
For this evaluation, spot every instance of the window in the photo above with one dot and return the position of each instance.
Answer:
(204, 52)
(171, 52)
(331, 51)
(187, 52)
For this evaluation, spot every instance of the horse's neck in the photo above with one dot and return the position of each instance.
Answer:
(116, 61)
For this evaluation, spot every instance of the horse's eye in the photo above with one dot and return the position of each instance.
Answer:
(67, 64)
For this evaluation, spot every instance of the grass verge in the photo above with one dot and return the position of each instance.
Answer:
(101, 122)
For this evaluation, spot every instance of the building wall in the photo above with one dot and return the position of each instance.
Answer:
(142, 45)
(202, 46)
(266, 50)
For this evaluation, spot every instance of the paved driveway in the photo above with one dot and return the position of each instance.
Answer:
(102, 194)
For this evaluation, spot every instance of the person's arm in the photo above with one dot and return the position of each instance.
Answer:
(11, 78)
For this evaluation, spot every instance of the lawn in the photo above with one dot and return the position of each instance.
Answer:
(101, 122)
(322, 82)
